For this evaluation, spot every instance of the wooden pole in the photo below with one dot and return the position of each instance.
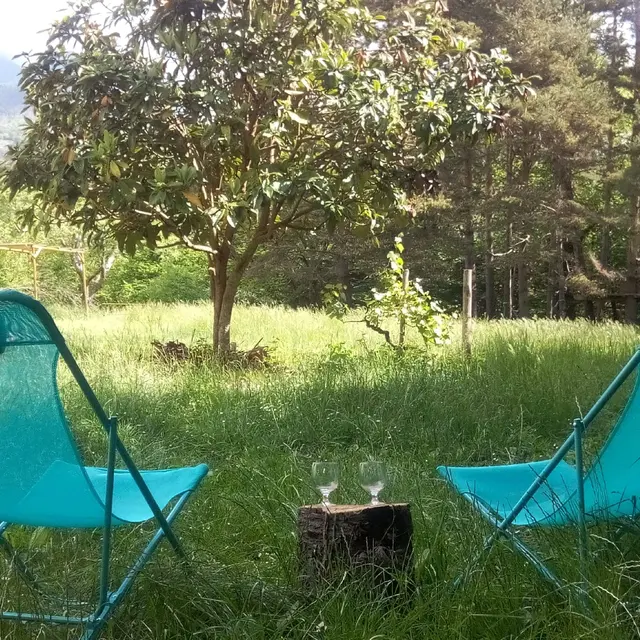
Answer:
(85, 290)
(467, 307)
(403, 320)
(34, 251)
(34, 263)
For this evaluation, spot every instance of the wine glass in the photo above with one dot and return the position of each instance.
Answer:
(372, 478)
(325, 478)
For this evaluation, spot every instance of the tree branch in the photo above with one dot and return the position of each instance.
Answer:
(381, 331)
(185, 239)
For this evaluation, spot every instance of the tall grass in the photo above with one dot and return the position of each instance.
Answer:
(335, 392)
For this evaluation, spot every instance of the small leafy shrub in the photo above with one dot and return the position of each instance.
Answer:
(269, 291)
(397, 298)
(339, 357)
(183, 277)
(130, 278)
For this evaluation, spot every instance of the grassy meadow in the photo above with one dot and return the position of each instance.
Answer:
(335, 392)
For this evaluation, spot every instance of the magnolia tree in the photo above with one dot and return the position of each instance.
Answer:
(219, 125)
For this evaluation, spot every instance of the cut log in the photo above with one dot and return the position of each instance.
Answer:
(340, 537)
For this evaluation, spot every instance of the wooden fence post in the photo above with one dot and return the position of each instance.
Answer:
(403, 320)
(34, 263)
(467, 307)
(85, 290)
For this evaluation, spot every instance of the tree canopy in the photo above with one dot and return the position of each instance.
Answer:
(219, 126)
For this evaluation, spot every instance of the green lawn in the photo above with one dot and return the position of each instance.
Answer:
(335, 392)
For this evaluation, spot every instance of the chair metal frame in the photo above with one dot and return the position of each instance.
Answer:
(504, 524)
(108, 600)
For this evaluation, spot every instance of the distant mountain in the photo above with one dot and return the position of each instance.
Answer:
(9, 71)
(11, 104)
(10, 100)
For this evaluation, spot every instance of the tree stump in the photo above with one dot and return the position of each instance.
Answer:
(375, 538)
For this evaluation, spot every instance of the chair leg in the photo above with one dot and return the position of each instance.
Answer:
(105, 611)
(630, 525)
(528, 553)
(16, 561)
(93, 624)
(534, 558)
(583, 537)
(28, 577)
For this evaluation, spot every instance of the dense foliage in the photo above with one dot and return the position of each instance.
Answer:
(546, 213)
(220, 127)
(549, 214)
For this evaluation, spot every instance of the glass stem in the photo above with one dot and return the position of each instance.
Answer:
(374, 498)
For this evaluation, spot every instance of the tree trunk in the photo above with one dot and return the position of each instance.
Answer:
(212, 286)
(469, 232)
(631, 302)
(605, 262)
(223, 293)
(605, 247)
(551, 290)
(580, 255)
(609, 168)
(523, 289)
(561, 277)
(605, 241)
(224, 344)
(224, 282)
(489, 275)
(373, 538)
(563, 177)
(344, 278)
(508, 285)
(523, 271)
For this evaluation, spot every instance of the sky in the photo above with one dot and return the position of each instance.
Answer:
(21, 20)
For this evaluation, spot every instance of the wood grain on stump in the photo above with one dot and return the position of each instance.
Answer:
(354, 536)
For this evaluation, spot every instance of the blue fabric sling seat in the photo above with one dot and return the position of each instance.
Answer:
(611, 485)
(498, 489)
(69, 495)
(42, 479)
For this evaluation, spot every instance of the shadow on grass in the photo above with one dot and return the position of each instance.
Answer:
(260, 432)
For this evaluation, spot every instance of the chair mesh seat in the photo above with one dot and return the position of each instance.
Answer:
(60, 498)
(611, 485)
(43, 481)
(498, 488)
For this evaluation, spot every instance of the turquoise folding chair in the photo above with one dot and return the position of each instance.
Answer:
(43, 482)
(553, 493)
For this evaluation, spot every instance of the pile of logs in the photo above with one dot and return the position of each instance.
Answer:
(201, 352)
(170, 351)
